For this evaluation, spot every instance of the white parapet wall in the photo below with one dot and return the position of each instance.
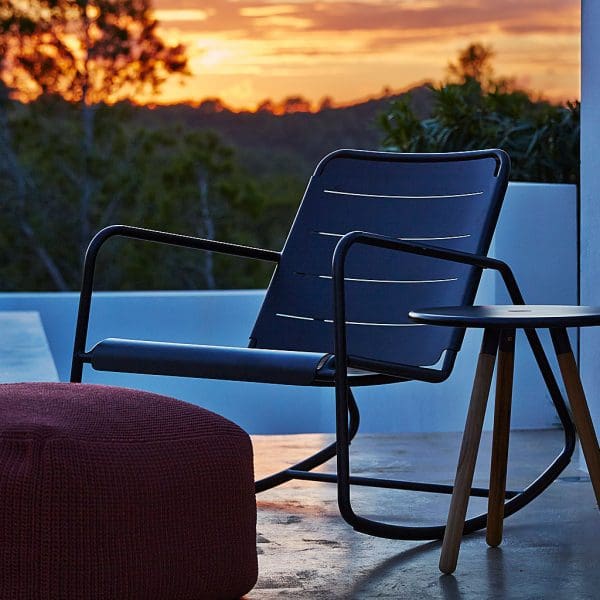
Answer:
(537, 234)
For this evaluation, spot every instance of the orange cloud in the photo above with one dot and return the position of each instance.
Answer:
(372, 15)
(246, 50)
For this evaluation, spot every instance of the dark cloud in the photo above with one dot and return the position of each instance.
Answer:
(512, 16)
(306, 51)
(520, 16)
(542, 27)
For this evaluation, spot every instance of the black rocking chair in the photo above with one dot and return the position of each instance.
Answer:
(376, 235)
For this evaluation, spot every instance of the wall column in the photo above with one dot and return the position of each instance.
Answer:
(590, 199)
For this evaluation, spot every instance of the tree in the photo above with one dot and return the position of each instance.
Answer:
(474, 63)
(20, 192)
(211, 106)
(267, 105)
(87, 52)
(326, 103)
(295, 104)
(161, 175)
(474, 110)
(186, 181)
(39, 176)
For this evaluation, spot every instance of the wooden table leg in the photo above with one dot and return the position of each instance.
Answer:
(468, 452)
(581, 414)
(504, 383)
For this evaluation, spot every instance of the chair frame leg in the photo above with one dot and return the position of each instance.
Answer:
(502, 410)
(468, 452)
(516, 500)
(511, 506)
(581, 413)
(315, 460)
(343, 401)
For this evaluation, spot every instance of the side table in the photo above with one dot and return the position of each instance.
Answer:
(500, 324)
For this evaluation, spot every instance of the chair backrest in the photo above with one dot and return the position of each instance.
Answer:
(451, 200)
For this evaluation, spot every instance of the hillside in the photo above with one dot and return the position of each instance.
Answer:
(291, 143)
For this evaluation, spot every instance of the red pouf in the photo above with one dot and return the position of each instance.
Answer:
(116, 494)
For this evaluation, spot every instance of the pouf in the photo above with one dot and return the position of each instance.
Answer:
(111, 493)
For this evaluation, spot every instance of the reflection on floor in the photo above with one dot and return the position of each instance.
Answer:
(550, 550)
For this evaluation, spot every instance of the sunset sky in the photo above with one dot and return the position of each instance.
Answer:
(244, 51)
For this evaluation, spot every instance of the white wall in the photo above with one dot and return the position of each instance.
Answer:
(590, 199)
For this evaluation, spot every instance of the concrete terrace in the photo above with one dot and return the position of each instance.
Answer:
(550, 548)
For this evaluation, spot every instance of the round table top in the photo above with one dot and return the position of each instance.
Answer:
(528, 316)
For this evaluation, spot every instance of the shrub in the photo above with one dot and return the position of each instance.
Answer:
(541, 138)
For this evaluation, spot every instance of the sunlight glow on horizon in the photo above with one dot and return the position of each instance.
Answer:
(244, 51)
(174, 14)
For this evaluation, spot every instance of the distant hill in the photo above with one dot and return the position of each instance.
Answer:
(292, 143)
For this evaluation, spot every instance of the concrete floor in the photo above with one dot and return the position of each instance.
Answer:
(551, 548)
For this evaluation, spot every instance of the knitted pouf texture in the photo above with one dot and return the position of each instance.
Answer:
(117, 494)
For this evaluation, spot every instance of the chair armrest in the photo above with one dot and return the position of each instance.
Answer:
(484, 262)
(370, 239)
(176, 239)
(148, 235)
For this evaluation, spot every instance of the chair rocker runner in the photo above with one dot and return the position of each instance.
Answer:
(336, 311)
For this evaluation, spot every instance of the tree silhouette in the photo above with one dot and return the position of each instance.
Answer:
(267, 105)
(295, 104)
(88, 52)
(476, 110)
(326, 103)
(474, 64)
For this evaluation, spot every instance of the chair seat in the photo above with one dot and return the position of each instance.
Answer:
(211, 362)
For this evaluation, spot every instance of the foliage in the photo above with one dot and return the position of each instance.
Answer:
(73, 159)
(85, 50)
(160, 168)
(166, 177)
(477, 111)
(288, 106)
(474, 62)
